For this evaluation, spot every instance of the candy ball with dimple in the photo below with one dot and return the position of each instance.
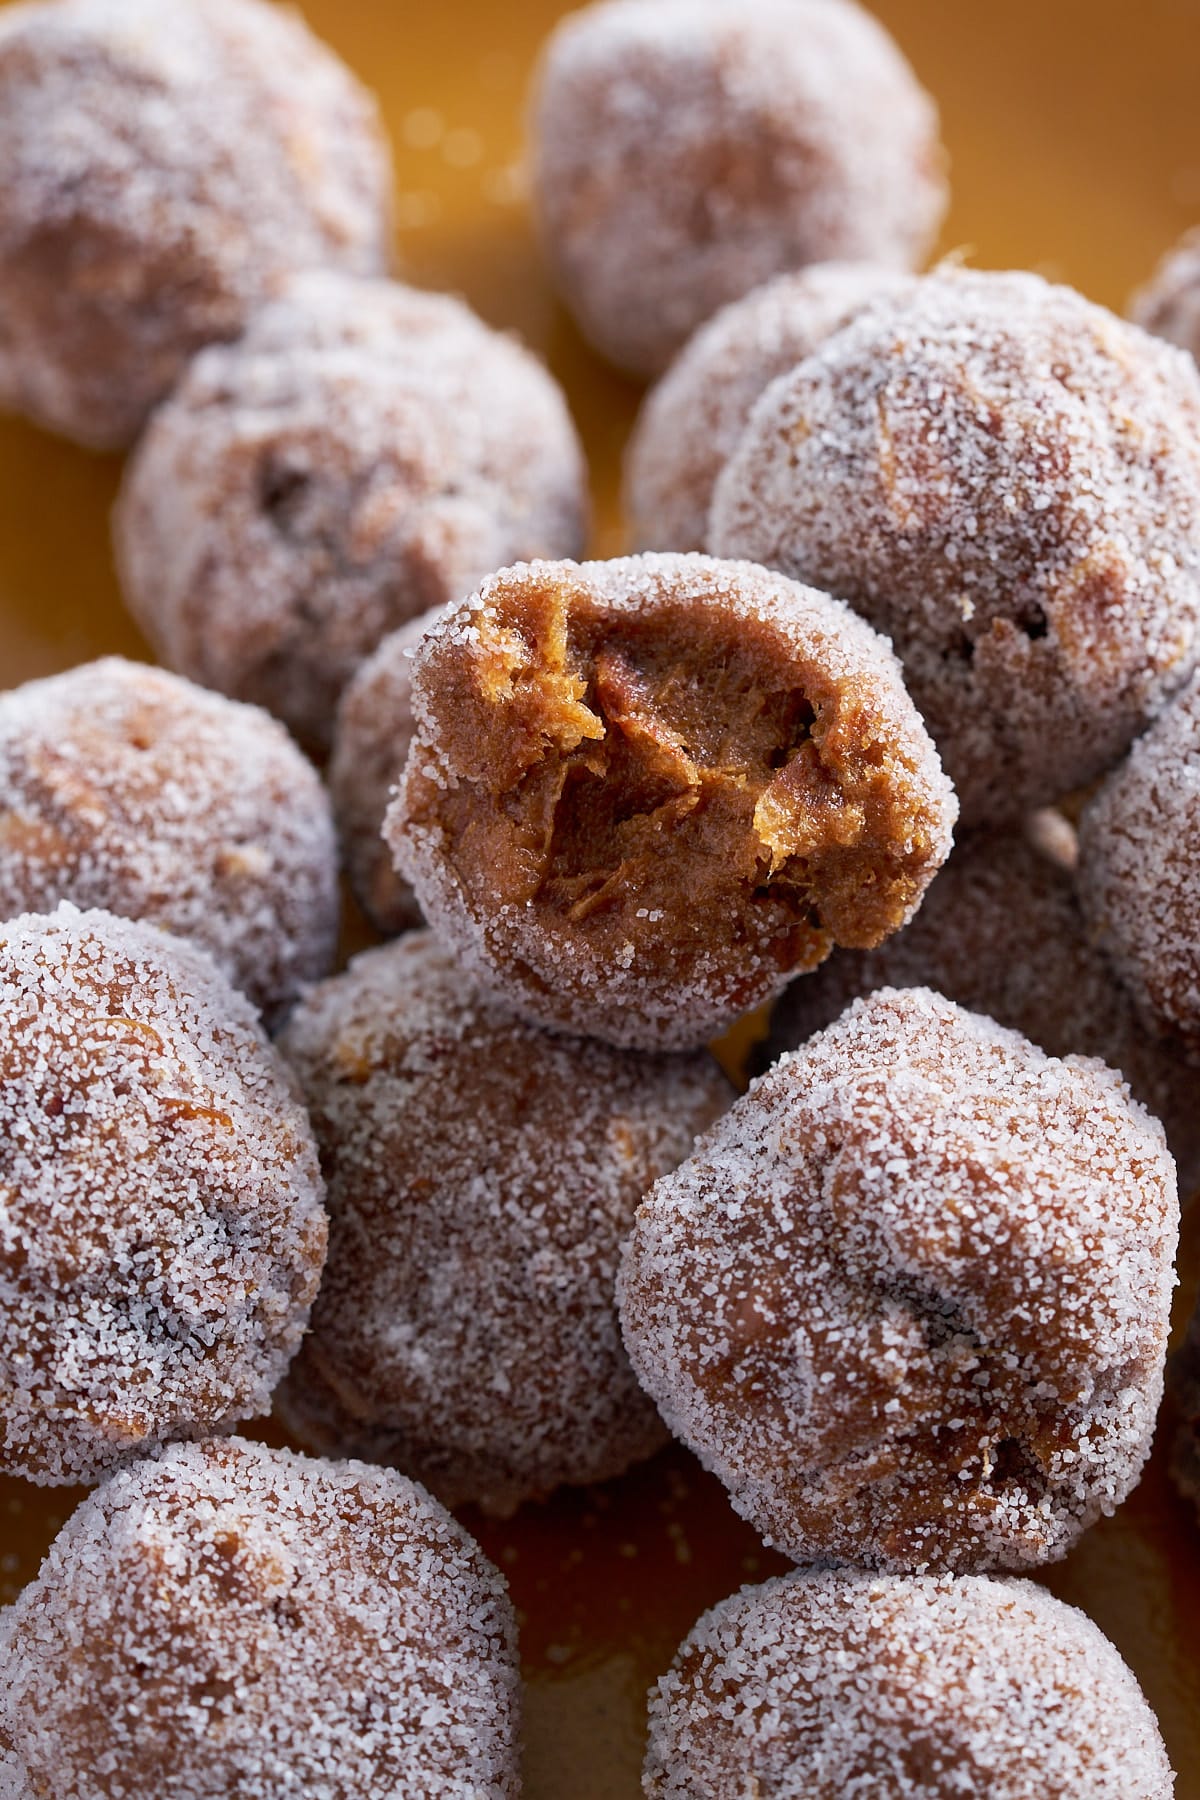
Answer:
(164, 1226)
(483, 1176)
(643, 793)
(226, 1619)
(691, 422)
(126, 788)
(1003, 478)
(829, 1683)
(686, 151)
(363, 453)
(909, 1299)
(165, 166)
(372, 732)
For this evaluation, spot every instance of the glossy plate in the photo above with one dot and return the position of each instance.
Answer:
(1071, 124)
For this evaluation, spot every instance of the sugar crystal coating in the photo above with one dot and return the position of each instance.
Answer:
(826, 1684)
(372, 733)
(1169, 303)
(1003, 478)
(1139, 870)
(685, 151)
(164, 167)
(643, 793)
(364, 452)
(14, 1784)
(482, 1177)
(227, 1620)
(125, 788)
(164, 1227)
(690, 423)
(1001, 932)
(909, 1299)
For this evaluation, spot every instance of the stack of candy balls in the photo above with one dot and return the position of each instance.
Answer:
(480, 1215)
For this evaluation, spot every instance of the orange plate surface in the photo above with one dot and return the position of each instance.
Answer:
(1072, 128)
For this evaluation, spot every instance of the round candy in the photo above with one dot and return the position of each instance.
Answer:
(164, 167)
(164, 1227)
(1169, 304)
(372, 732)
(1139, 870)
(909, 1299)
(1000, 932)
(1004, 479)
(125, 788)
(690, 424)
(685, 151)
(227, 1619)
(643, 793)
(829, 1683)
(483, 1176)
(363, 453)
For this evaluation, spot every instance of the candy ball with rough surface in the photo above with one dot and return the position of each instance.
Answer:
(164, 1220)
(643, 793)
(691, 422)
(1001, 932)
(1139, 870)
(224, 1619)
(165, 166)
(363, 453)
(829, 1683)
(126, 788)
(371, 735)
(1003, 478)
(910, 1298)
(685, 151)
(483, 1176)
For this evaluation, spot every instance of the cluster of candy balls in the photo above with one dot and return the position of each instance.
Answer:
(485, 1215)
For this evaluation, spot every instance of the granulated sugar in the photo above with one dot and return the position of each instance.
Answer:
(163, 1229)
(228, 1619)
(909, 1299)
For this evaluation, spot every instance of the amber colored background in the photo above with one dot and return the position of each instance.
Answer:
(1074, 130)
